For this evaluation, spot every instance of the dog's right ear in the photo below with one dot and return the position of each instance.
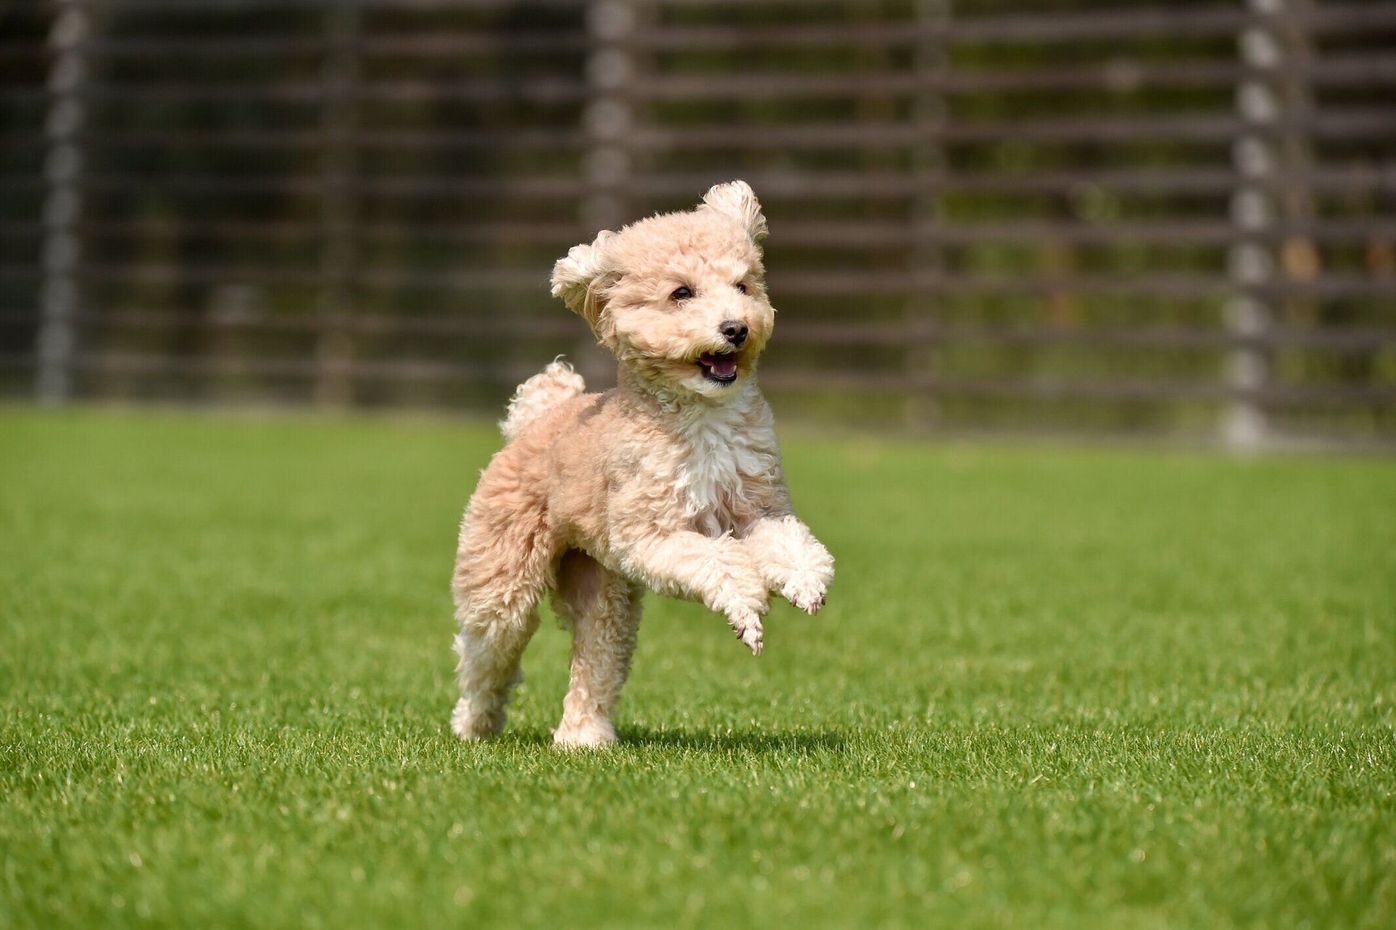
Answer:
(579, 277)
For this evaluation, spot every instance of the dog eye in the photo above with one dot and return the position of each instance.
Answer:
(681, 293)
(740, 286)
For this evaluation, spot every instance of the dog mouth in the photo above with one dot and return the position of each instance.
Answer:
(718, 367)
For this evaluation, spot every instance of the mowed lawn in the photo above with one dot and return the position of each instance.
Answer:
(1053, 687)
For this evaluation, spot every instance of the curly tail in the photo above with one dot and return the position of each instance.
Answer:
(539, 394)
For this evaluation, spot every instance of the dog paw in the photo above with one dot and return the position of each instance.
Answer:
(470, 724)
(745, 594)
(806, 590)
(749, 631)
(586, 734)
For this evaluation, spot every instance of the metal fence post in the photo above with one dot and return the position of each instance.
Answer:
(56, 344)
(335, 346)
(608, 119)
(1249, 313)
(608, 116)
(929, 116)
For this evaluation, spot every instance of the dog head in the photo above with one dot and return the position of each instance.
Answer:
(679, 298)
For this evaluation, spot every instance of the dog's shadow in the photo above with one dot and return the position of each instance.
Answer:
(726, 741)
(716, 742)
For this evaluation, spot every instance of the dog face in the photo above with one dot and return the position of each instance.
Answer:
(679, 298)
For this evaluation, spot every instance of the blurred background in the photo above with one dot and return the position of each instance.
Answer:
(1172, 219)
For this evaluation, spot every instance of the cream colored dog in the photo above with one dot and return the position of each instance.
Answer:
(671, 481)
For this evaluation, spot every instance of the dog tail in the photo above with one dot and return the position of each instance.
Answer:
(539, 394)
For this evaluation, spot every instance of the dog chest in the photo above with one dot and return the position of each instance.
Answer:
(715, 460)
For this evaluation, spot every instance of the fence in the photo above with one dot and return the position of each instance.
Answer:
(1175, 219)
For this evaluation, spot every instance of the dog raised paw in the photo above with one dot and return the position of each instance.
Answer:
(805, 590)
(745, 594)
(748, 630)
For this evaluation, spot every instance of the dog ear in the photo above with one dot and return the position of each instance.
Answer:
(579, 276)
(737, 200)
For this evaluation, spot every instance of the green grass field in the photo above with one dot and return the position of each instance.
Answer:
(1052, 688)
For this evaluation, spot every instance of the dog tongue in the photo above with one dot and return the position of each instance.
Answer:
(723, 366)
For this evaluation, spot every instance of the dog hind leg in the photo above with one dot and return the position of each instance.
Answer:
(603, 611)
(489, 649)
(502, 569)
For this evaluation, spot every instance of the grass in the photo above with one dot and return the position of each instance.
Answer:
(1052, 688)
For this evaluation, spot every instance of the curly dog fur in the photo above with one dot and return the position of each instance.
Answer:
(671, 481)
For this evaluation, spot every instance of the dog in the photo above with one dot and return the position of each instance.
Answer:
(670, 482)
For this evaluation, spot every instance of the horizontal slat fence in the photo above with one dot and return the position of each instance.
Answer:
(1159, 219)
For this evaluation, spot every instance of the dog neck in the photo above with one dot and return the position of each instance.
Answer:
(684, 406)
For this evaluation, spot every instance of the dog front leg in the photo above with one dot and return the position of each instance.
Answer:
(718, 572)
(793, 563)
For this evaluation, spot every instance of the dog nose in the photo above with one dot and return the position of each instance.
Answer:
(734, 330)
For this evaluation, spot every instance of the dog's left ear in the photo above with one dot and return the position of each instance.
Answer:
(737, 200)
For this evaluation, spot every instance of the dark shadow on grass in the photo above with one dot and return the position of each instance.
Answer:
(724, 741)
(715, 742)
